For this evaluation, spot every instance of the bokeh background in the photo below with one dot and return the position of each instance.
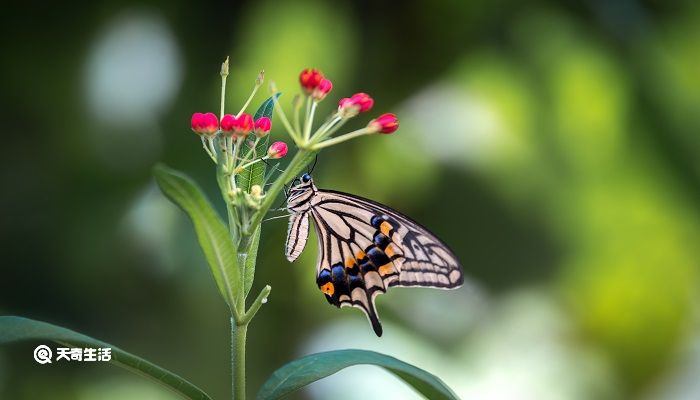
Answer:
(554, 145)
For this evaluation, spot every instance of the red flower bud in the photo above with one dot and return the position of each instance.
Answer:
(359, 102)
(363, 101)
(385, 123)
(228, 123)
(277, 150)
(324, 87)
(310, 79)
(205, 124)
(244, 125)
(262, 126)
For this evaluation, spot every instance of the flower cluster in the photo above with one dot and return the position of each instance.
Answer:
(315, 87)
(208, 125)
(233, 141)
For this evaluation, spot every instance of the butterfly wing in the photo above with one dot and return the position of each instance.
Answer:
(366, 247)
(297, 234)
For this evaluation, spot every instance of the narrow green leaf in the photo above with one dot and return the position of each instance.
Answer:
(311, 368)
(211, 232)
(250, 261)
(15, 329)
(255, 174)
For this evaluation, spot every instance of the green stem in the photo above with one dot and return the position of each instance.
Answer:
(307, 120)
(244, 166)
(238, 341)
(285, 121)
(325, 131)
(309, 123)
(340, 139)
(259, 301)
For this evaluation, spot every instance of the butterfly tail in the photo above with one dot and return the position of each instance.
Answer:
(373, 319)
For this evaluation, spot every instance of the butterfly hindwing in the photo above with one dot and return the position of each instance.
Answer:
(297, 234)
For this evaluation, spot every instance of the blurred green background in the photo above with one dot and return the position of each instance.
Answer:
(553, 145)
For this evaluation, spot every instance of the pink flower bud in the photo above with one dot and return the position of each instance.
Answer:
(262, 126)
(359, 102)
(244, 125)
(277, 150)
(205, 124)
(385, 123)
(310, 79)
(228, 123)
(363, 101)
(324, 87)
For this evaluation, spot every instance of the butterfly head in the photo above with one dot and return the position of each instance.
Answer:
(300, 193)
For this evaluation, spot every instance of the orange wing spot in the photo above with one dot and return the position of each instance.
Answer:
(349, 263)
(386, 269)
(386, 228)
(360, 255)
(328, 289)
(389, 251)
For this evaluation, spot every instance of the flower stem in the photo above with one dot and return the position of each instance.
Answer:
(224, 75)
(307, 120)
(207, 148)
(285, 121)
(340, 139)
(246, 165)
(329, 129)
(309, 123)
(258, 83)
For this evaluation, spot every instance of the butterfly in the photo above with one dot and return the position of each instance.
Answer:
(364, 248)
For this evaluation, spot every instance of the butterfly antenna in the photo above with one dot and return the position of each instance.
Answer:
(275, 167)
(277, 217)
(314, 164)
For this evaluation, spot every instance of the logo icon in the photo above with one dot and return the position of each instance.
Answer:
(42, 354)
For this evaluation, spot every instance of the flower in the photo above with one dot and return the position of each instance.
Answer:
(262, 126)
(239, 127)
(324, 87)
(359, 102)
(277, 150)
(205, 124)
(310, 79)
(385, 123)
(244, 125)
(228, 123)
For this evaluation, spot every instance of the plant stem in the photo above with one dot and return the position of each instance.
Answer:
(309, 124)
(259, 301)
(238, 341)
(285, 121)
(207, 148)
(340, 139)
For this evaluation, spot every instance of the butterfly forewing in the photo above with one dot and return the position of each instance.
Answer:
(365, 248)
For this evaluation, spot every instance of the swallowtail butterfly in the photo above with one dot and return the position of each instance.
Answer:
(365, 248)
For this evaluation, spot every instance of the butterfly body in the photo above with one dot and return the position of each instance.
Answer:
(365, 248)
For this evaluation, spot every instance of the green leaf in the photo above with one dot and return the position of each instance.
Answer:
(311, 368)
(250, 261)
(15, 329)
(255, 174)
(211, 232)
